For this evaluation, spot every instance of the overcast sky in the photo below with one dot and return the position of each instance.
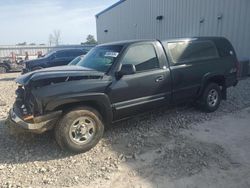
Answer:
(33, 20)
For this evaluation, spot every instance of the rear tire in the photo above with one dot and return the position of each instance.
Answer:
(211, 98)
(79, 130)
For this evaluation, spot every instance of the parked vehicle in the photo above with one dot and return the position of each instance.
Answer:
(4, 67)
(76, 60)
(55, 58)
(119, 80)
(8, 66)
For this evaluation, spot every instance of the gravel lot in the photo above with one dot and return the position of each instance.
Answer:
(137, 149)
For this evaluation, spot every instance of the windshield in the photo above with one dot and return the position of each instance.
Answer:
(49, 54)
(101, 58)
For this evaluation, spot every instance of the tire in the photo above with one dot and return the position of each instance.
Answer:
(79, 130)
(211, 98)
(3, 69)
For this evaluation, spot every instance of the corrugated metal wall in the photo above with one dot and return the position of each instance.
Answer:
(136, 19)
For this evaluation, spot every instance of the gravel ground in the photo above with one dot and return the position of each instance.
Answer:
(142, 144)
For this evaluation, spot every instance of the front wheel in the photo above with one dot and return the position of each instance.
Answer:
(3, 69)
(79, 130)
(211, 98)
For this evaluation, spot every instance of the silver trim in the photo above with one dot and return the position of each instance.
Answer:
(137, 102)
(213, 98)
(82, 130)
(30, 126)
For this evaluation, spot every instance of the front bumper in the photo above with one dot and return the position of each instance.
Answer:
(40, 125)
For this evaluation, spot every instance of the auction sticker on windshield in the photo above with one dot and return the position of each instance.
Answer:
(111, 54)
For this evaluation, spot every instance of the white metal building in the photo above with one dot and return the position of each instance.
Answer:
(163, 19)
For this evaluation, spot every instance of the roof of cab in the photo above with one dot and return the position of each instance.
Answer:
(128, 42)
(195, 39)
(68, 49)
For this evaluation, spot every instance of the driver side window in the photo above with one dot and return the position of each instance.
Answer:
(61, 54)
(142, 56)
(52, 56)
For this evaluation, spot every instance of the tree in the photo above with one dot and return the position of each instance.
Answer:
(55, 37)
(51, 40)
(90, 40)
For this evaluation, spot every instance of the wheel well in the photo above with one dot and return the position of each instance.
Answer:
(93, 104)
(220, 80)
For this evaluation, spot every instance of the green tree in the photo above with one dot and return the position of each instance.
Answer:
(90, 40)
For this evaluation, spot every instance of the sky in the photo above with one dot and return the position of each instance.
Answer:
(32, 21)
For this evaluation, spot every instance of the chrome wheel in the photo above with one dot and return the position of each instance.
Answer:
(82, 130)
(212, 98)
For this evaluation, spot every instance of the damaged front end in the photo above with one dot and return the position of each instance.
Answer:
(25, 113)
(38, 89)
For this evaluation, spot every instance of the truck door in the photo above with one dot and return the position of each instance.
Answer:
(148, 88)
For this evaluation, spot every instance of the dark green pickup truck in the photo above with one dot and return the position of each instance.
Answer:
(119, 80)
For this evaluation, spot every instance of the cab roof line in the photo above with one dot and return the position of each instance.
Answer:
(107, 9)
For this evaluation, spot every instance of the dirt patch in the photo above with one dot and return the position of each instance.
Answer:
(145, 147)
(189, 157)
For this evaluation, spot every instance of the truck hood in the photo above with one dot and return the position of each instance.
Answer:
(60, 73)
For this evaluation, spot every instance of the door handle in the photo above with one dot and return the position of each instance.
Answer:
(159, 79)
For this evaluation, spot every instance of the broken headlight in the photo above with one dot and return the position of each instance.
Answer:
(20, 93)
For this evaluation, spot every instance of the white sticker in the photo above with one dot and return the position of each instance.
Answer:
(111, 54)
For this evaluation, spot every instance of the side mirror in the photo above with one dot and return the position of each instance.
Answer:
(126, 69)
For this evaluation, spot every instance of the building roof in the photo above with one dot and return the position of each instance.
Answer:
(112, 6)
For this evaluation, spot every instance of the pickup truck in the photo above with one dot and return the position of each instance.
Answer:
(119, 80)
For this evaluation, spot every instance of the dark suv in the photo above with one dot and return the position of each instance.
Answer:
(118, 80)
(52, 59)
